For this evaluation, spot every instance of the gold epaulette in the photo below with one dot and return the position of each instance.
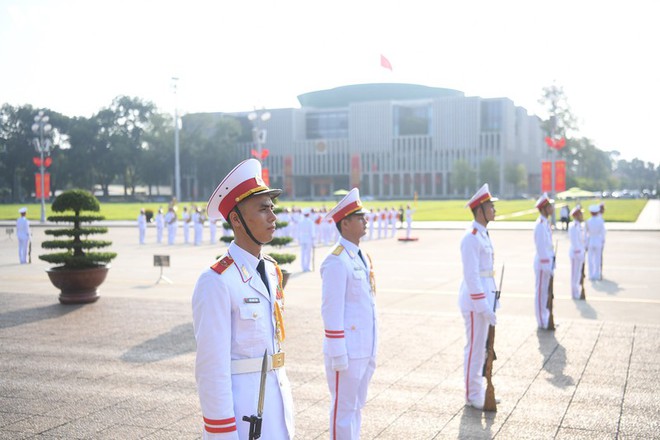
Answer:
(222, 264)
(269, 258)
(338, 250)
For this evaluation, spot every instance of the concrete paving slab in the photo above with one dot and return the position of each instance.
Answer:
(123, 366)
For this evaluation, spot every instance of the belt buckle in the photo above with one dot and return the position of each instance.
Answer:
(278, 360)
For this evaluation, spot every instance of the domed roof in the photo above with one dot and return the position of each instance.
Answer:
(345, 95)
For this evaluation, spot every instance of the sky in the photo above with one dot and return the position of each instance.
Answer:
(75, 56)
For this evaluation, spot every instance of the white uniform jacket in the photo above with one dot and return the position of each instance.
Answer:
(234, 318)
(596, 231)
(543, 259)
(347, 305)
(576, 234)
(478, 288)
(22, 228)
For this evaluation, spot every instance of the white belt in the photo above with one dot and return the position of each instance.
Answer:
(487, 274)
(253, 365)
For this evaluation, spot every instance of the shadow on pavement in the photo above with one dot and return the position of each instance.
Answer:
(607, 286)
(28, 316)
(178, 341)
(475, 423)
(555, 359)
(585, 309)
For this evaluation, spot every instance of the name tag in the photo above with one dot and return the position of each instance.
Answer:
(251, 300)
(357, 268)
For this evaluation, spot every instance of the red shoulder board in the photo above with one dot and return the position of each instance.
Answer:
(222, 264)
(474, 231)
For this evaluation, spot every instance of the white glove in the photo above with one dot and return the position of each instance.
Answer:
(340, 363)
(491, 317)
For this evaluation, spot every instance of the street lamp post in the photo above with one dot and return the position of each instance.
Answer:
(177, 166)
(42, 144)
(258, 134)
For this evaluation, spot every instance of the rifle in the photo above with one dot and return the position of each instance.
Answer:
(490, 403)
(30, 250)
(551, 288)
(255, 420)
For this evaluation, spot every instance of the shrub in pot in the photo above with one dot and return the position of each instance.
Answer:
(79, 270)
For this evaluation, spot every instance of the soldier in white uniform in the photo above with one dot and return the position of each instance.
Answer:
(213, 231)
(306, 240)
(160, 225)
(577, 235)
(477, 297)
(142, 225)
(409, 213)
(170, 221)
(349, 317)
(544, 261)
(595, 242)
(237, 314)
(23, 235)
(186, 219)
(198, 225)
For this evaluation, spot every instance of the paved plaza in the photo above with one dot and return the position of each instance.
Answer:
(122, 368)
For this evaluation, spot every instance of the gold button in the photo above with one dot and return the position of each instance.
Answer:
(255, 314)
(352, 327)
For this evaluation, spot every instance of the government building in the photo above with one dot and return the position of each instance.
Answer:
(395, 141)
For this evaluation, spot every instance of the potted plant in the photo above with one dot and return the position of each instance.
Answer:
(79, 271)
(278, 242)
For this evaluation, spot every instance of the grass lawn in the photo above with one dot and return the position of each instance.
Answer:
(617, 210)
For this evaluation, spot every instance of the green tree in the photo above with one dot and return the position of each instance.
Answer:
(489, 172)
(515, 174)
(463, 178)
(561, 122)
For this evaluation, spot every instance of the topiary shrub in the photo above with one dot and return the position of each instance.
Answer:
(77, 254)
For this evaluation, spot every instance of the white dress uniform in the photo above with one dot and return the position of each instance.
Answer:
(576, 234)
(142, 226)
(160, 226)
(381, 222)
(348, 309)
(477, 298)
(392, 220)
(543, 265)
(409, 213)
(236, 317)
(198, 227)
(595, 242)
(23, 235)
(371, 218)
(213, 231)
(170, 221)
(185, 219)
(306, 240)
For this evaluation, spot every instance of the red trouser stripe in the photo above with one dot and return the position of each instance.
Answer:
(539, 299)
(469, 362)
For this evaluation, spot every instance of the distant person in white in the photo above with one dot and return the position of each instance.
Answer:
(160, 225)
(306, 240)
(142, 225)
(23, 235)
(409, 213)
(595, 243)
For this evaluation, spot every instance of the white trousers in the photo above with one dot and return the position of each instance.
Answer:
(476, 333)
(306, 256)
(186, 233)
(171, 234)
(199, 232)
(594, 257)
(143, 233)
(159, 234)
(408, 227)
(23, 249)
(576, 276)
(348, 394)
(541, 297)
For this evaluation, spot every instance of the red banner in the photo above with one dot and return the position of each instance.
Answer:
(355, 171)
(560, 176)
(265, 175)
(37, 185)
(546, 176)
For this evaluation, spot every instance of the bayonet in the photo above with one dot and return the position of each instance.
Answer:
(255, 420)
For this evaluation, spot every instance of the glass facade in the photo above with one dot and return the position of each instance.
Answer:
(326, 125)
(491, 116)
(412, 120)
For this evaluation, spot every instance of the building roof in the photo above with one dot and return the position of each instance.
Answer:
(345, 95)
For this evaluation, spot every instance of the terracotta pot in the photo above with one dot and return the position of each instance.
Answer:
(77, 286)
